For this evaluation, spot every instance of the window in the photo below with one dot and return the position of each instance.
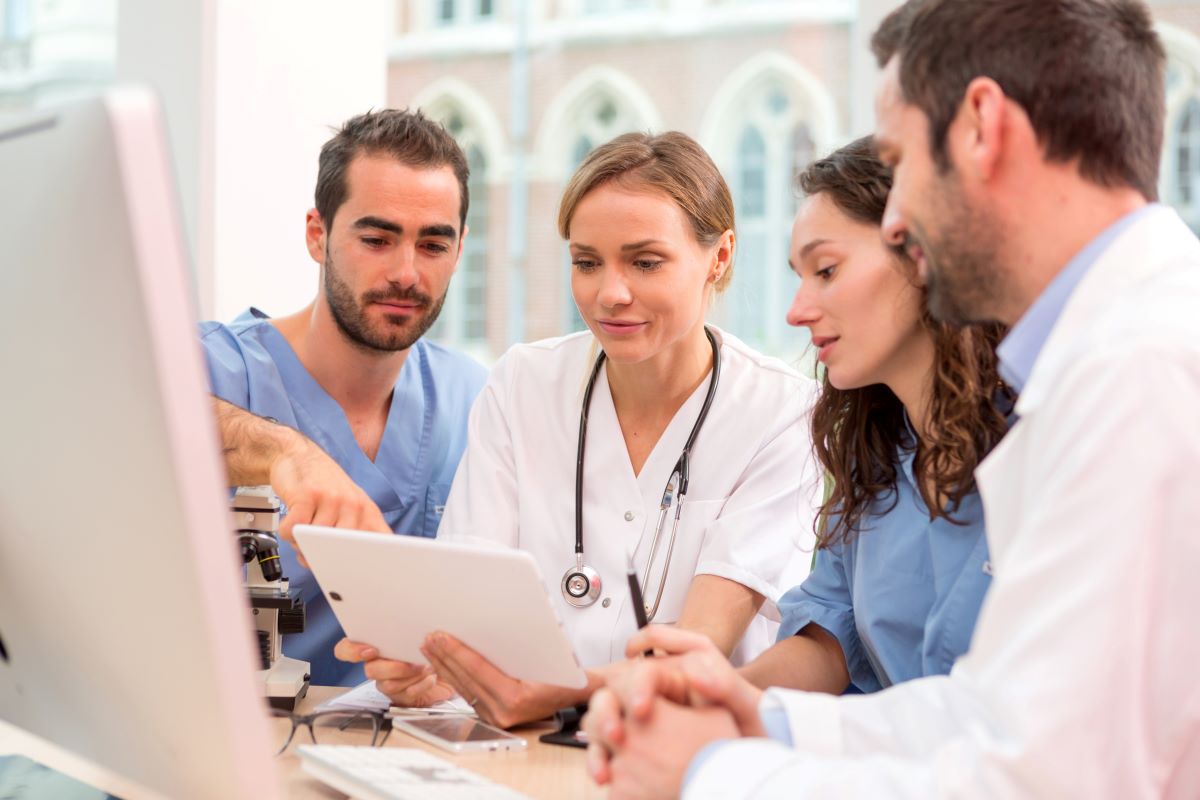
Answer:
(55, 52)
(774, 143)
(472, 270)
(463, 321)
(583, 146)
(597, 7)
(1179, 180)
(1185, 195)
(15, 23)
(15, 33)
(455, 12)
(602, 118)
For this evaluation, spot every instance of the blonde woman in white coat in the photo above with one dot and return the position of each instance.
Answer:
(649, 223)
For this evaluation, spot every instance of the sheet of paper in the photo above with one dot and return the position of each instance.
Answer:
(366, 697)
(455, 705)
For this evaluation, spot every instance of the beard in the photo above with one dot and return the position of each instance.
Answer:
(965, 276)
(397, 332)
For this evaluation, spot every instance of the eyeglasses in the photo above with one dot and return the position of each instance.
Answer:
(381, 724)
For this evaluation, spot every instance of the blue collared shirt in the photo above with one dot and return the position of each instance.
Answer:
(1020, 349)
(902, 595)
(252, 365)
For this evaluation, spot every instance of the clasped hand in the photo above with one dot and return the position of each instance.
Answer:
(645, 727)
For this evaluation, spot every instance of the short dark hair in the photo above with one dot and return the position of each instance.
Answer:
(1089, 73)
(407, 136)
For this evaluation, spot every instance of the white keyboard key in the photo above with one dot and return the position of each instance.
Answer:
(397, 773)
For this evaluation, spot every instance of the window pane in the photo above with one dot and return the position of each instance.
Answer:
(802, 155)
(583, 146)
(574, 322)
(473, 272)
(747, 290)
(1187, 154)
(752, 177)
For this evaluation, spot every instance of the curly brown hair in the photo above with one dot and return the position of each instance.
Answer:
(858, 433)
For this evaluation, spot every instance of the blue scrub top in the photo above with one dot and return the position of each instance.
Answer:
(252, 365)
(903, 595)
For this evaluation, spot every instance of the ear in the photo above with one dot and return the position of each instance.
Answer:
(978, 132)
(314, 236)
(724, 257)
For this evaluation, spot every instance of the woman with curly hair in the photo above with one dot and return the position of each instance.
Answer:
(907, 409)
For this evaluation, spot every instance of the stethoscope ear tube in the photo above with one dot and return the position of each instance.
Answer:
(581, 583)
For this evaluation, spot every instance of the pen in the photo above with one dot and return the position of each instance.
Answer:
(639, 605)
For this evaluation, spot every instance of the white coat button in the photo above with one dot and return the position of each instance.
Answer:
(606, 602)
(629, 516)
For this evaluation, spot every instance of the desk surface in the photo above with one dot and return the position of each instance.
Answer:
(540, 771)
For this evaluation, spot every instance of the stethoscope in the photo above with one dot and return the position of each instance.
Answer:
(581, 583)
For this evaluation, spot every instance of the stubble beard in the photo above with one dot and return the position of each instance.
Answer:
(400, 332)
(965, 274)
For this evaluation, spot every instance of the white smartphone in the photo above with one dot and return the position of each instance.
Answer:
(458, 734)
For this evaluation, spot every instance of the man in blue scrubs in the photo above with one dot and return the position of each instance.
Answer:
(342, 407)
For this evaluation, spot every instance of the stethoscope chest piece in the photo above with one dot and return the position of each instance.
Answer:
(581, 585)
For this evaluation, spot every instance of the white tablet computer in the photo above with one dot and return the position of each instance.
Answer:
(392, 591)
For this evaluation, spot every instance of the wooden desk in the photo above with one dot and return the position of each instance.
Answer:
(541, 771)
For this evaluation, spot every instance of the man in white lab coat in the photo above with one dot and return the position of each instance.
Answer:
(1025, 138)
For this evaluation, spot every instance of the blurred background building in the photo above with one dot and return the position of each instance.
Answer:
(528, 87)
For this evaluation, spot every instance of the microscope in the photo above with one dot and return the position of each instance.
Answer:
(277, 611)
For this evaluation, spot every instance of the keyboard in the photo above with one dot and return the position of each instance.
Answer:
(396, 773)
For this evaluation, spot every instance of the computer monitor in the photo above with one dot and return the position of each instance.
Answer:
(125, 631)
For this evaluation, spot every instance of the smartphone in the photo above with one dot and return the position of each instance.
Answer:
(458, 734)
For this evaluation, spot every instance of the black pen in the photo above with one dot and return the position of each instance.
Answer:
(639, 605)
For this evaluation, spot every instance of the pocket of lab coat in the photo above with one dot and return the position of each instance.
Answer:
(689, 543)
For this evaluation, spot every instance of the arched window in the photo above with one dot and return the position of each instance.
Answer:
(773, 144)
(601, 118)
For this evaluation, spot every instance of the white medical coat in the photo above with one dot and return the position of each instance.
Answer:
(1083, 677)
(748, 515)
